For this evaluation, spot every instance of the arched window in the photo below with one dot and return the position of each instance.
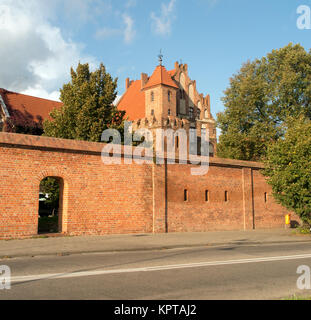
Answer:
(198, 114)
(182, 94)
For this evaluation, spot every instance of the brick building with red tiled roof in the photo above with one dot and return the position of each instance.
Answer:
(24, 113)
(168, 99)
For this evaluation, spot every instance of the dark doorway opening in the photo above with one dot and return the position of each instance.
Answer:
(50, 205)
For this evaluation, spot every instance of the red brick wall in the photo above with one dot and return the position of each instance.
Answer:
(245, 209)
(98, 198)
(196, 214)
(107, 199)
(268, 214)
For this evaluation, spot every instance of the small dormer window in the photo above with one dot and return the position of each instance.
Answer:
(152, 96)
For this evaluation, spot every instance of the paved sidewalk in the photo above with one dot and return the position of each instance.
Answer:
(115, 243)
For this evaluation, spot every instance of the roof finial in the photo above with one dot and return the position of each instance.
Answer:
(160, 56)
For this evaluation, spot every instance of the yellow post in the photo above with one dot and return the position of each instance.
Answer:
(287, 220)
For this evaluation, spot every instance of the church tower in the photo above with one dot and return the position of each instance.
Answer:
(160, 94)
(168, 99)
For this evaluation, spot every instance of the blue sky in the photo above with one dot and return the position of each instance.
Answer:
(41, 39)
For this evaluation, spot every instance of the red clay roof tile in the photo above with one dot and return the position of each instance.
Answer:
(24, 107)
(133, 101)
(160, 76)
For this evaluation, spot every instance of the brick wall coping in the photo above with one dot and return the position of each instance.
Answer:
(65, 145)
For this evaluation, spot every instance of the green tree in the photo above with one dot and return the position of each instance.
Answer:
(88, 106)
(259, 99)
(50, 186)
(288, 170)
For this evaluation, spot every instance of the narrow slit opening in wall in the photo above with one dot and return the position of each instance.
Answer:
(185, 195)
(226, 196)
(266, 197)
(206, 195)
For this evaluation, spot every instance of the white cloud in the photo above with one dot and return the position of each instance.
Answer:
(105, 33)
(39, 91)
(127, 31)
(35, 58)
(162, 24)
(131, 3)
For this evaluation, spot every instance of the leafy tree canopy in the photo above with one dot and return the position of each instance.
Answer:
(50, 186)
(260, 98)
(288, 169)
(88, 106)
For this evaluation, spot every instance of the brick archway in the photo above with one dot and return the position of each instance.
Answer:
(64, 183)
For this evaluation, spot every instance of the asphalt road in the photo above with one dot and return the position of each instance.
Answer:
(204, 273)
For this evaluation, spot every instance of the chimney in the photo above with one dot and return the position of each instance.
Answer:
(144, 79)
(127, 83)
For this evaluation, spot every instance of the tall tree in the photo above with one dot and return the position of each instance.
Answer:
(50, 186)
(88, 106)
(287, 168)
(259, 99)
